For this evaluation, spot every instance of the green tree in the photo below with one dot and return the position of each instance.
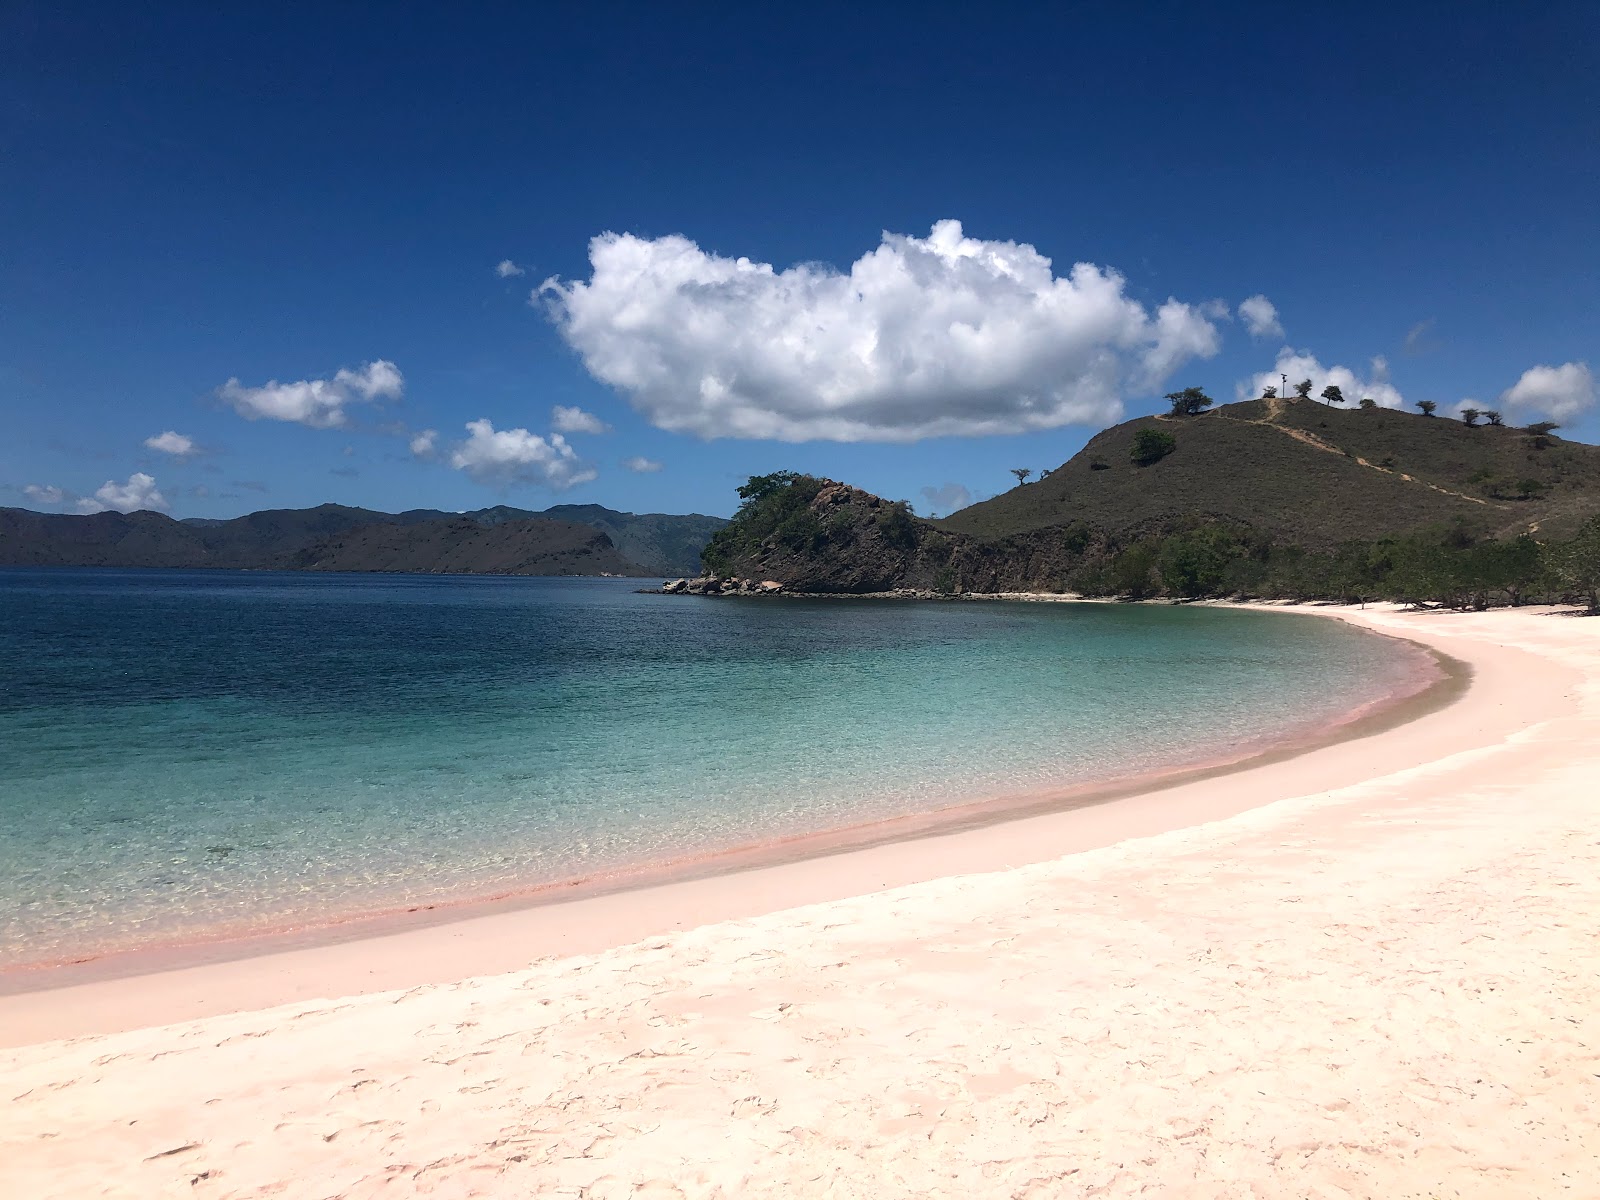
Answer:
(1151, 445)
(1368, 402)
(1303, 389)
(1577, 566)
(1269, 393)
(1332, 394)
(1190, 402)
(1470, 416)
(1493, 417)
(1428, 407)
(1022, 474)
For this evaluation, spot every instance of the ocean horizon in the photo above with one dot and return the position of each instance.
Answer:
(187, 755)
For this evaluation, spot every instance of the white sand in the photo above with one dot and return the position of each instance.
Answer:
(1383, 982)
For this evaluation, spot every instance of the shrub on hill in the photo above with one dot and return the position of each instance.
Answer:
(1151, 446)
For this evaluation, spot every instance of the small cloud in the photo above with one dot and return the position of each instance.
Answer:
(511, 456)
(171, 442)
(319, 403)
(575, 420)
(947, 499)
(1260, 317)
(44, 493)
(507, 269)
(422, 444)
(1417, 340)
(1302, 364)
(641, 465)
(1557, 392)
(139, 492)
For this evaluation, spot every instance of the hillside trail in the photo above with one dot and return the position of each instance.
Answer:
(1277, 406)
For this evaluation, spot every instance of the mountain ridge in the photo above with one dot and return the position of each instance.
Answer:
(648, 544)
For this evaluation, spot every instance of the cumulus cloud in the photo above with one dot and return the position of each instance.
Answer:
(319, 403)
(507, 269)
(137, 493)
(510, 456)
(575, 420)
(1302, 364)
(946, 499)
(422, 444)
(44, 493)
(1260, 317)
(923, 337)
(641, 465)
(173, 443)
(1557, 392)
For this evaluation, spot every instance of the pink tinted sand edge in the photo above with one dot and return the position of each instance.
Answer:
(1511, 689)
(1434, 681)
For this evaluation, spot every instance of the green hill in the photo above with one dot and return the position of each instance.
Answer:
(1311, 474)
(1264, 498)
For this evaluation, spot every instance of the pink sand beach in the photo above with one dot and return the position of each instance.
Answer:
(1371, 968)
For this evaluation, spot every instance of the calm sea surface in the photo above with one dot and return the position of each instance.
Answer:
(182, 753)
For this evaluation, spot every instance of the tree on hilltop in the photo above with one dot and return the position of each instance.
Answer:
(1269, 393)
(1428, 407)
(1022, 474)
(1470, 416)
(1333, 394)
(1493, 417)
(1190, 402)
(1303, 389)
(1368, 402)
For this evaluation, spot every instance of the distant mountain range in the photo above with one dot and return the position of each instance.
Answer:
(568, 539)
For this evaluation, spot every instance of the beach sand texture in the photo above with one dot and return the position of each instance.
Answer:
(1390, 988)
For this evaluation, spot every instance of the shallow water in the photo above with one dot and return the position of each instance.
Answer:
(187, 752)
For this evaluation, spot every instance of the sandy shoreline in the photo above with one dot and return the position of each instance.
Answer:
(1367, 969)
(1436, 681)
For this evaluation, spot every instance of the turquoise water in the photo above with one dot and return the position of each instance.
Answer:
(187, 753)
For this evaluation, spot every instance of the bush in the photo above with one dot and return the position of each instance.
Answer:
(1151, 445)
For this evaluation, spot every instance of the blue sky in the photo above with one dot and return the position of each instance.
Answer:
(193, 195)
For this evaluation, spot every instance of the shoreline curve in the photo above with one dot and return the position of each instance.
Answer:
(490, 937)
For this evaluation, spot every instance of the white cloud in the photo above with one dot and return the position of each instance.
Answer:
(923, 337)
(510, 456)
(946, 499)
(173, 443)
(1301, 364)
(1260, 317)
(641, 465)
(319, 403)
(139, 492)
(44, 493)
(575, 420)
(1557, 392)
(422, 444)
(507, 269)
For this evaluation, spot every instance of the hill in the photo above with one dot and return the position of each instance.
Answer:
(462, 546)
(1311, 474)
(1264, 498)
(653, 543)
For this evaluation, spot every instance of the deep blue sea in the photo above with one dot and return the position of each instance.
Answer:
(183, 753)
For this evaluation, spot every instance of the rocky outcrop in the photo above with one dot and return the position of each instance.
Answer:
(708, 585)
